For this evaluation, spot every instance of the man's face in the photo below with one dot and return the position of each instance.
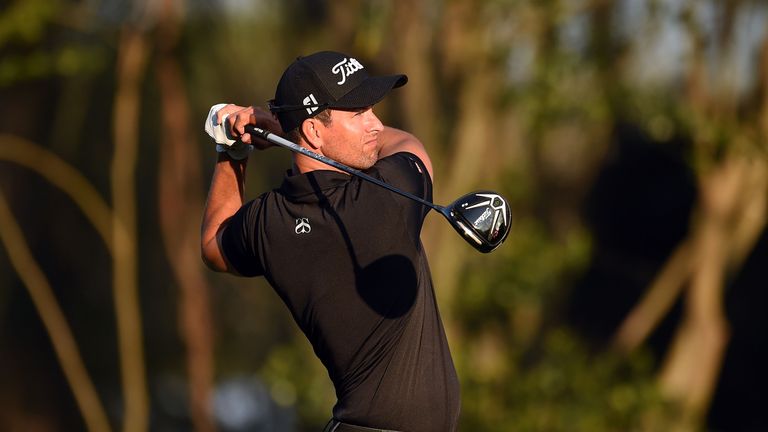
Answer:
(352, 137)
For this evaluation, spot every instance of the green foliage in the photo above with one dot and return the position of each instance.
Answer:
(528, 270)
(559, 386)
(32, 49)
(67, 61)
(296, 378)
(520, 366)
(26, 20)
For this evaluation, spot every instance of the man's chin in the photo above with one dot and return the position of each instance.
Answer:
(367, 162)
(373, 160)
(365, 166)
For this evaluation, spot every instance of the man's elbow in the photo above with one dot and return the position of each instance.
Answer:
(213, 259)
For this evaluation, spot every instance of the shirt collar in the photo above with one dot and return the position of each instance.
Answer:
(305, 187)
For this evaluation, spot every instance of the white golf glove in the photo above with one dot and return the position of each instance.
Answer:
(225, 143)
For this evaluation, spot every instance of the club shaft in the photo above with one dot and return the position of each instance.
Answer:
(282, 142)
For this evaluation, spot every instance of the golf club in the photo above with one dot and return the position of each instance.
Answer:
(482, 218)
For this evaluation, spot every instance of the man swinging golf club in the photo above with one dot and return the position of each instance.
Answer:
(342, 253)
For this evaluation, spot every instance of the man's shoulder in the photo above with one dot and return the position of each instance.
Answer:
(402, 164)
(399, 157)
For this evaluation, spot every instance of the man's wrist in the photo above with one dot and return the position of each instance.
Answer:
(225, 156)
(238, 151)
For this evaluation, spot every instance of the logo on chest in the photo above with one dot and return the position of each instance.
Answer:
(302, 226)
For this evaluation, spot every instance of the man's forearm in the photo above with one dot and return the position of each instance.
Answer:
(225, 197)
(395, 140)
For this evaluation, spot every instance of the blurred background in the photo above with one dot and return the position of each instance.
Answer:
(629, 136)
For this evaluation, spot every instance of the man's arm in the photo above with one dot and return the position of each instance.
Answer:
(225, 197)
(394, 140)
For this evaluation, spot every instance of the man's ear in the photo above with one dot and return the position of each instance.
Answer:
(310, 130)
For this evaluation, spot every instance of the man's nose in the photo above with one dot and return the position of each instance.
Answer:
(374, 123)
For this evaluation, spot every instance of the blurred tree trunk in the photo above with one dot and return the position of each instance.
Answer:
(692, 364)
(344, 19)
(473, 136)
(729, 216)
(410, 51)
(180, 209)
(132, 54)
(461, 151)
(762, 92)
(54, 321)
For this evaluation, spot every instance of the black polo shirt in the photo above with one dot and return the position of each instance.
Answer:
(345, 257)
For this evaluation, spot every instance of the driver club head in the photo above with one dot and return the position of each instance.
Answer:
(483, 218)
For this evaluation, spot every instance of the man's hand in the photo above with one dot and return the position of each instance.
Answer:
(237, 117)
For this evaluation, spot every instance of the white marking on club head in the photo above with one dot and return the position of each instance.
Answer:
(491, 197)
(494, 227)
(468, 232)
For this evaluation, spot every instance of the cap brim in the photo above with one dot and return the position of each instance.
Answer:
(370, 92)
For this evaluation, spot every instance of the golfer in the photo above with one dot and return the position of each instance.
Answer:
(343, 254)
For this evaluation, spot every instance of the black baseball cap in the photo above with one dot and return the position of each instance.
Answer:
(327, 79)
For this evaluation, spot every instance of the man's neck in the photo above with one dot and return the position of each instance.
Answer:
(304, 164)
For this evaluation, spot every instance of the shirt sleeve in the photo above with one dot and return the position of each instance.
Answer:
(239, 240)
(406, 172)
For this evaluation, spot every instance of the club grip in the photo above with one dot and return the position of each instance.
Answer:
(259, 132)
